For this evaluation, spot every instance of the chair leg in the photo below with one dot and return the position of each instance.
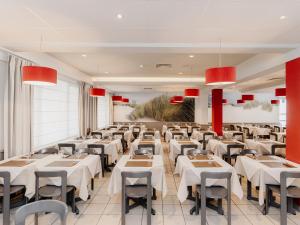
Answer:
(203, 206)
(229, 209)
(123, 209)
(102, 166)
(197, 203)
(92, 184)
(267, 200)
(149, 209)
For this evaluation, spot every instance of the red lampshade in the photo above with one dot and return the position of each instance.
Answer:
(275, 102)
(240, 101)
(220, 76)
(97, 92)
(178, 99)
(172, 102)
(248, 97)
(37, 75)
(191, 92)
(224, 101)
(117, 98)
(125, 100)
(280, 92)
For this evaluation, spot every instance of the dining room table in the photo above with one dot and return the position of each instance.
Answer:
(175, 146)
(169, 134)
(189, 168)
(158, 148)
(224, 146)
(261, 170)
(156, 134)
(128, 163)
(266, 146)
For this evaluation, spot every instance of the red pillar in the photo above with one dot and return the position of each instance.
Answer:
(292, 110)
(217, 111)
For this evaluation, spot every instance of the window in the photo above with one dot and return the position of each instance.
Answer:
(103, 112)
(282, 112)
(55, 113)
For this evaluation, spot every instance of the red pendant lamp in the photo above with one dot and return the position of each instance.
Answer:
(280, 92)
(224, 101)
(191, 92)
(240, 101)
(178, 99)
(248, 97)
(172, 102)
(275, 102)
(117, 98)
(97, 92)
(220, 75)
(38, 75)
(125, 100)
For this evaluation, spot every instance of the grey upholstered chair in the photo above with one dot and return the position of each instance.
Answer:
(182, 149)
(5, 194)
(65, 146)
(287, 194)
(150, 148)
(136, 192)
(102, 155)
(54, 206)
(97, 134)
(53, 191)
(215, 192)
(50, 150)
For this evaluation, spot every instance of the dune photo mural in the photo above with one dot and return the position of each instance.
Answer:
(148, 107)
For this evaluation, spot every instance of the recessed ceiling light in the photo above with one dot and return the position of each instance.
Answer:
(180, 73)
(191, 56)
(84, 55)
(282, 17)
(119, 16)
(141, 66)
(106, 72)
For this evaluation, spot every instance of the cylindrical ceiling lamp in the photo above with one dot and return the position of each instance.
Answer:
(97, 92)
(248, 97)
(224, 101)
(275, 102)
(125, 100)
(280, 92)
(192, 92)
(220, 75)
(178, 99)
(172, 102)
(116, 98)
(38, 75)
(240, 101)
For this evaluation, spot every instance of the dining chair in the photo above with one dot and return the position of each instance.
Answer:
(239, 128)
(247, 133)
(206, 136)
(264, 136)
(102, 155)
(238, 136)
(176, 135)
(186, 147)
(232, 127)
(148, 134)
(119, 134)
(185, 128)
(50, 150)
(287, 194)
(276, 128)
(64, 191)
(214, 192)
(150, 148)
(197, 128)
(53, 206)
(66, 146)
(273, 134)
(97, 134)
(196, 151)
(5, 190)
(228, 156)
(140, 193)
(136, 131)
(277, 146)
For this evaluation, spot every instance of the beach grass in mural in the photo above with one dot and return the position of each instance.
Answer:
(160, 109)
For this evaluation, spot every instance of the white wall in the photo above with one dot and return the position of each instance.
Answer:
(201, 107)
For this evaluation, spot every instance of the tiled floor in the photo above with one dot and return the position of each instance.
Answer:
(104, 210)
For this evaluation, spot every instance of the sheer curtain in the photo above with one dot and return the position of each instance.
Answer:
(111, 110)
(87, 110)
(17, 110)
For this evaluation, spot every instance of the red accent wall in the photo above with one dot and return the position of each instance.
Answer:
(217, 111)
(293, 107)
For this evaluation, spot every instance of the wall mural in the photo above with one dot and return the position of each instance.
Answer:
(155, 108)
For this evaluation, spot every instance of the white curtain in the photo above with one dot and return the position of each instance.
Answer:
(111, 110)
(17, 111)
(87, 110)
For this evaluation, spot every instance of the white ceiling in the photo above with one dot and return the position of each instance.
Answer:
(150, 32)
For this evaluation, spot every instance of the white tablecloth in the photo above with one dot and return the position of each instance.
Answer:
(258, 130)
(229, 135)
(158, 146)
(260, 174)
(169, 134)
(158, 175)
(280, 136)
(190, 175)
(175, 148)
(263, 147)
(219, 148)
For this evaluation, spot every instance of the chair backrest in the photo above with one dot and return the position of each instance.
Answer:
(50, 150)
(177, 134)
(276, 128)
(239, 128)
(264, 136)
(62, 174)
(196, 151)
(195, 128)
(248, 152)
(171, 128)
(64, 146)
(239, 136)
(149, 147)
(187, 146)
(117, 134)
(124, 128)
(231, 127)
(216, 176)
(185, 128)
(112, 127)
(136, 175)
(97, 134)
(54, 206)
(94, 148)
(148, 133)
(6, 196)
(136, 129)
(86, 151)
